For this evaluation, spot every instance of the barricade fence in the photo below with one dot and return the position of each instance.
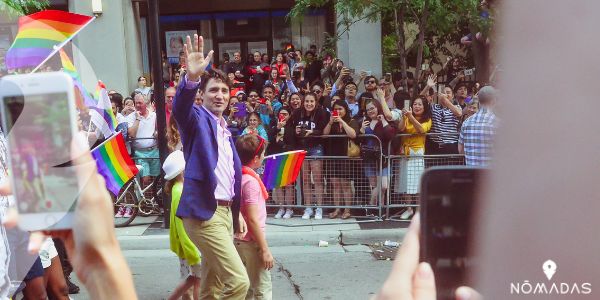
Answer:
(373, 189)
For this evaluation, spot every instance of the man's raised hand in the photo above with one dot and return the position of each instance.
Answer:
(196, 62)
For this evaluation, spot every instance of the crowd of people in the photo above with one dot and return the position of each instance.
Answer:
(312, 101)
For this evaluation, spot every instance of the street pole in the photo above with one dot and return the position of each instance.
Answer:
(159, 96)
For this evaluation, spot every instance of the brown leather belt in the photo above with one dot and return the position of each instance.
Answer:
(224, 203)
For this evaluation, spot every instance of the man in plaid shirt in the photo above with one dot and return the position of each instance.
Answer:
(476, 138)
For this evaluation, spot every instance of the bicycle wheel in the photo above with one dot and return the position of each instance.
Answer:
(126, 208)
(145, 208)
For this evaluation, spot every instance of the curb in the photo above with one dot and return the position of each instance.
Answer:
(370, 237)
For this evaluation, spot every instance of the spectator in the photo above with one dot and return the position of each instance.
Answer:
(270, 95)
(255, 126)
(453, 68)
(375, 123)
(169, 96)
(417, 122)
(477, 134)
(142, 127)
(258, 71)
(275, 81)
(128, 107)
(314, 65)
(317, 89)
(471, 109)
(460, 94)
(167, 70)
(173, 137)
(353, 103)
(142, 87)
(281, 66)
(253, 101)
(266, 59)
(236, 67)
(115, 109)
(338, 171)
(444, 126)
(295, 101)
(176, 77)
(235, 120)
(225, 61)
(284, 196)
(307, 123)
(327, 72)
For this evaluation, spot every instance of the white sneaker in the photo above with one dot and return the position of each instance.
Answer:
(407, 214)
(307, 213)
(319, 214)
(280, 213)
(128, 212)
(288, 213)
(120, 212)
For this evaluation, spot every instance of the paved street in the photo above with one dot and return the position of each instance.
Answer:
(346, 269)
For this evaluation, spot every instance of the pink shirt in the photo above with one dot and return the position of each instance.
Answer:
(252, 195)
(224, 171)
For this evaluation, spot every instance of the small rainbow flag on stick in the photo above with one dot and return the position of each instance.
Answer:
(41, 35)
(114, 163)
(282, 169)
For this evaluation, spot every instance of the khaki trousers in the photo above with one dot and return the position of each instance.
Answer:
(223, 273)
(260, 279)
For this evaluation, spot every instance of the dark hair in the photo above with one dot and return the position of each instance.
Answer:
(309, 52)
(319, 84)
(369, 77)
(118, 100)
(253, 90)
(426, 109)
(140, 78)
(366, 95)
(268, 86)
(248, 146)
(350, 83)
(343, 104)
(460, 85)
(399, 98)
(376, 104)
(211, 76)
(253, 114)
(286, 108)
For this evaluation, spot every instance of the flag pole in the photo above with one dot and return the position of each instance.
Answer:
(59, 46)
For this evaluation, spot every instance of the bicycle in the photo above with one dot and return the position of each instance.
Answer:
(133, 198)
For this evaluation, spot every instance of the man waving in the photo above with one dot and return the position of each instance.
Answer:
(210, 202)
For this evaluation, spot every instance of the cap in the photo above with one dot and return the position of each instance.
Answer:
(174, 165)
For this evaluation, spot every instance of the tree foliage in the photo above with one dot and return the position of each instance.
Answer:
(22, 7)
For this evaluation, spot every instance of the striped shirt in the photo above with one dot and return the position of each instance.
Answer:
(477, 136)
(445, 122)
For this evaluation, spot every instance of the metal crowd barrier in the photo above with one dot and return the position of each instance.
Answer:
(405, 172)
(348, 173)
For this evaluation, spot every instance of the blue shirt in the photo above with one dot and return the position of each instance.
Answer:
(477, 136)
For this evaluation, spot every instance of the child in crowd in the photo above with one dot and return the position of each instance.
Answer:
(252, 247)
(189, 255)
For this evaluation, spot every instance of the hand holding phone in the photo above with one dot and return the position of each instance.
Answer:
(38, 113)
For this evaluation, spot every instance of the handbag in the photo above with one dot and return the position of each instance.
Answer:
(353, 149)
(370, 152)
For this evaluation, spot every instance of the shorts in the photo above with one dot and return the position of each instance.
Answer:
(47, 252)
(23, 266)
(149, 160)
(185, 270)
(316, 150)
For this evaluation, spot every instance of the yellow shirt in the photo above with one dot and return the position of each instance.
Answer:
(415, 141)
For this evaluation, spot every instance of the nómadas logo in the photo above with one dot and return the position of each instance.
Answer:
(541, 288)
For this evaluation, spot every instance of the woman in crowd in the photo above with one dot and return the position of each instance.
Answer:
(375, 123)
(128, 106)
(281, 66)
(417, 122)
(340, 123)
(275, 81)
(142, 87)
(173, 137)
(306, 125)
(258, 71)
(295, 101)
(266, 59)
(284, 196)
(235, 118)
(255, 126)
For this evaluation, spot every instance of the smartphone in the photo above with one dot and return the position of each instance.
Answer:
(241, 113)
(281, 118)
(448, 200)
(469, 72)
(40, 121)
(352, 71)
(334, 113)
(424, 67)
(406, 103)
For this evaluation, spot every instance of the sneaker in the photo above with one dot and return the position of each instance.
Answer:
(307, 213)
(280, 213)
(288, 213)
(128, 213)
(120, 212)
(319, 214)
(407, 214)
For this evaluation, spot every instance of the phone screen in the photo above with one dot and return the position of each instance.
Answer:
(241, 113)
(448, 198)
(39, 137)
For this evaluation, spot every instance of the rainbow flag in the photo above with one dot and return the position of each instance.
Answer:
(114, 163)
(282, 169)
(41, 34)
(69, 68)
(105, 109)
